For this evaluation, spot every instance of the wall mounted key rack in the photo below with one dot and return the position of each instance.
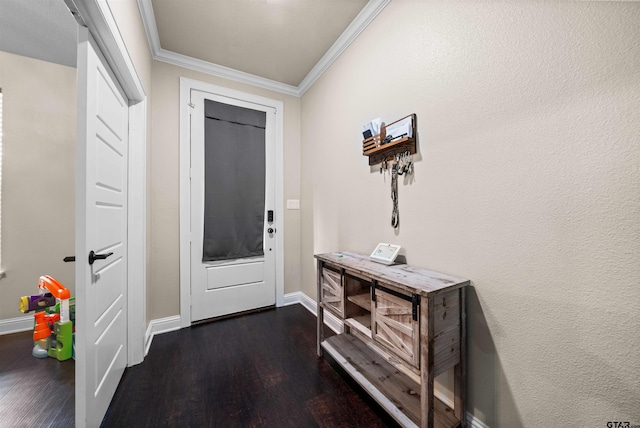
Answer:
(385, 146)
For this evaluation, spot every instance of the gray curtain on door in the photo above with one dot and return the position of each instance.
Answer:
(234, 182)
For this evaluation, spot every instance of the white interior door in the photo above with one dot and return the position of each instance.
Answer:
(101, 219)
(225, 287)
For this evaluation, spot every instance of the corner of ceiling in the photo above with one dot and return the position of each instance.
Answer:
(357, 26)
(364, 18)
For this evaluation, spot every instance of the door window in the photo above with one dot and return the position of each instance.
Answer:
(234, 182)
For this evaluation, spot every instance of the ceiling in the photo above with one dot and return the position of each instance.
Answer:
(282, 45)
(41, 29)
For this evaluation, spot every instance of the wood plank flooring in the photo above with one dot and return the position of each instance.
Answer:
(256, 370)
(34, 392)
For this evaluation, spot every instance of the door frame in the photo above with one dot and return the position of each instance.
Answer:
(97, 17)
(186, 85)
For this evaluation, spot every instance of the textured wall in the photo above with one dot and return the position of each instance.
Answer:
(527, 183)
(38, 176)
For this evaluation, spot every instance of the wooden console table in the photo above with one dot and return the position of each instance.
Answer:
(403, 326)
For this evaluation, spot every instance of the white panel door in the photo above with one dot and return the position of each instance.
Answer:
(101, 218)
(229, 286)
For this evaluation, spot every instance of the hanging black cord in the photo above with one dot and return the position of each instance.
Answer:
(395, 216)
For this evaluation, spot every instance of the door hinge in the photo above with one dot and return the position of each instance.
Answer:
(192, 105)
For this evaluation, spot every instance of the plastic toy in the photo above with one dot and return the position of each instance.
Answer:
(37, 302)
(53, 329)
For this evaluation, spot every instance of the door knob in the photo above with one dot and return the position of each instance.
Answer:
(270, 230)
(93, 256)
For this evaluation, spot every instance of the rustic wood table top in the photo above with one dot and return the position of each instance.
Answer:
(410, 278)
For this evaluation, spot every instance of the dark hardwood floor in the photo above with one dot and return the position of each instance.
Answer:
(34, 392)
(256, 370)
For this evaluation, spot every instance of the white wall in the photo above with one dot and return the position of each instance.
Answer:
(38, 176)
(527, 183)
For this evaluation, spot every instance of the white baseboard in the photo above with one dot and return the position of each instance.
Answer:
(159, 326)
(473, 422)
(333, 322)
(16, 325)
(291, 298)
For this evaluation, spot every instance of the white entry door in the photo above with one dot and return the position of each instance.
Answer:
(232, 285)
(101, 235)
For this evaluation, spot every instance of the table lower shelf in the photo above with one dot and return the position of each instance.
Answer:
(398, 394)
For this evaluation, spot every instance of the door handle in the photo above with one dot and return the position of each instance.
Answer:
(270, 230)
(93, 256)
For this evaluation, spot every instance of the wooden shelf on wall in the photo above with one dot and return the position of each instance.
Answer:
(377, 151)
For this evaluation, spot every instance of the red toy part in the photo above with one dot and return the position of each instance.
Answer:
(41, 329)
(52, 318)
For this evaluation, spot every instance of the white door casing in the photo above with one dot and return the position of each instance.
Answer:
(229, 286)
(101, 220)
(190, 213)
(96, 16)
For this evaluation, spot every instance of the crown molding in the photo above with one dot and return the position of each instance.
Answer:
(150, 27)
(364, 18)
(357, 26)
(224, 72)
